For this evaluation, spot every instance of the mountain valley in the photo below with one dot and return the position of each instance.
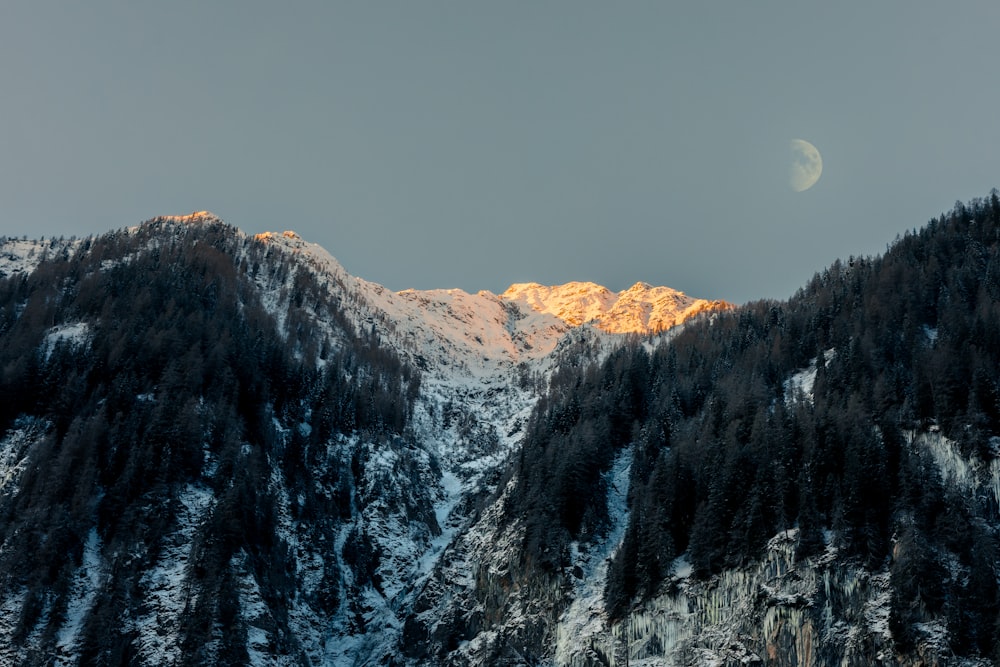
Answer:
(219, 448)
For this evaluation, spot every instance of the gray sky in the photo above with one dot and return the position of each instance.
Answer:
(475, 144)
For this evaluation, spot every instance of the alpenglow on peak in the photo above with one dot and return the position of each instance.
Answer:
(641, 308)
(191, 218)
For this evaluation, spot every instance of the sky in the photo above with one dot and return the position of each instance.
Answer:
(433, 144)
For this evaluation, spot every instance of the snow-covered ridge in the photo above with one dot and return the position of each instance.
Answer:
(484, 332)
(196, 217)
(444, 331)
(23, 255)
(642, 308)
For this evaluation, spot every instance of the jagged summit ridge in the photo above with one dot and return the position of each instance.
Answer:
(477, 331)
(191, 218)
(641, 308)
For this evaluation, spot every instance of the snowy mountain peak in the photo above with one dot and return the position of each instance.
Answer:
(641, 308)
(192, 218)
(23, 255)
(312, 253)
(266, 237)
(574, 303)
(483, 335)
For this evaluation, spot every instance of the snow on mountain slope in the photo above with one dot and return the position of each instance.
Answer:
(586, 616)
(406, 545)
(166, 586)
(482, 332)
(573, 303)
(23, 255)
(86, 584)
(14, 450)
(442, 330)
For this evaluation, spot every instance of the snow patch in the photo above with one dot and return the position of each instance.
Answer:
(586, 617)
(681, 567)
(86, 583)
(76, 335)
(10, 611)
(931, 333)
(256, 617)
(165, 586)
(451, 494)
(800, 384)
(24, 255)
(14, 451)
(877, 608)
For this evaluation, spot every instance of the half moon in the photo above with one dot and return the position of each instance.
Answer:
(807, 165)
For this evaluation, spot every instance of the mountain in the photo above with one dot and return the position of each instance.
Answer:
(224, 449)
(641, 309)
(218, 448)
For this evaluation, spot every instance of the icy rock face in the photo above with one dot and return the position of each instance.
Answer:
(481, 606)
(775, 611)
(820, 612)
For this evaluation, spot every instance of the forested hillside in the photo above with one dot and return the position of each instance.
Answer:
(863, 412)
(155, 419)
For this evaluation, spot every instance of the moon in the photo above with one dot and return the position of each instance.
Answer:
(807, 165)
